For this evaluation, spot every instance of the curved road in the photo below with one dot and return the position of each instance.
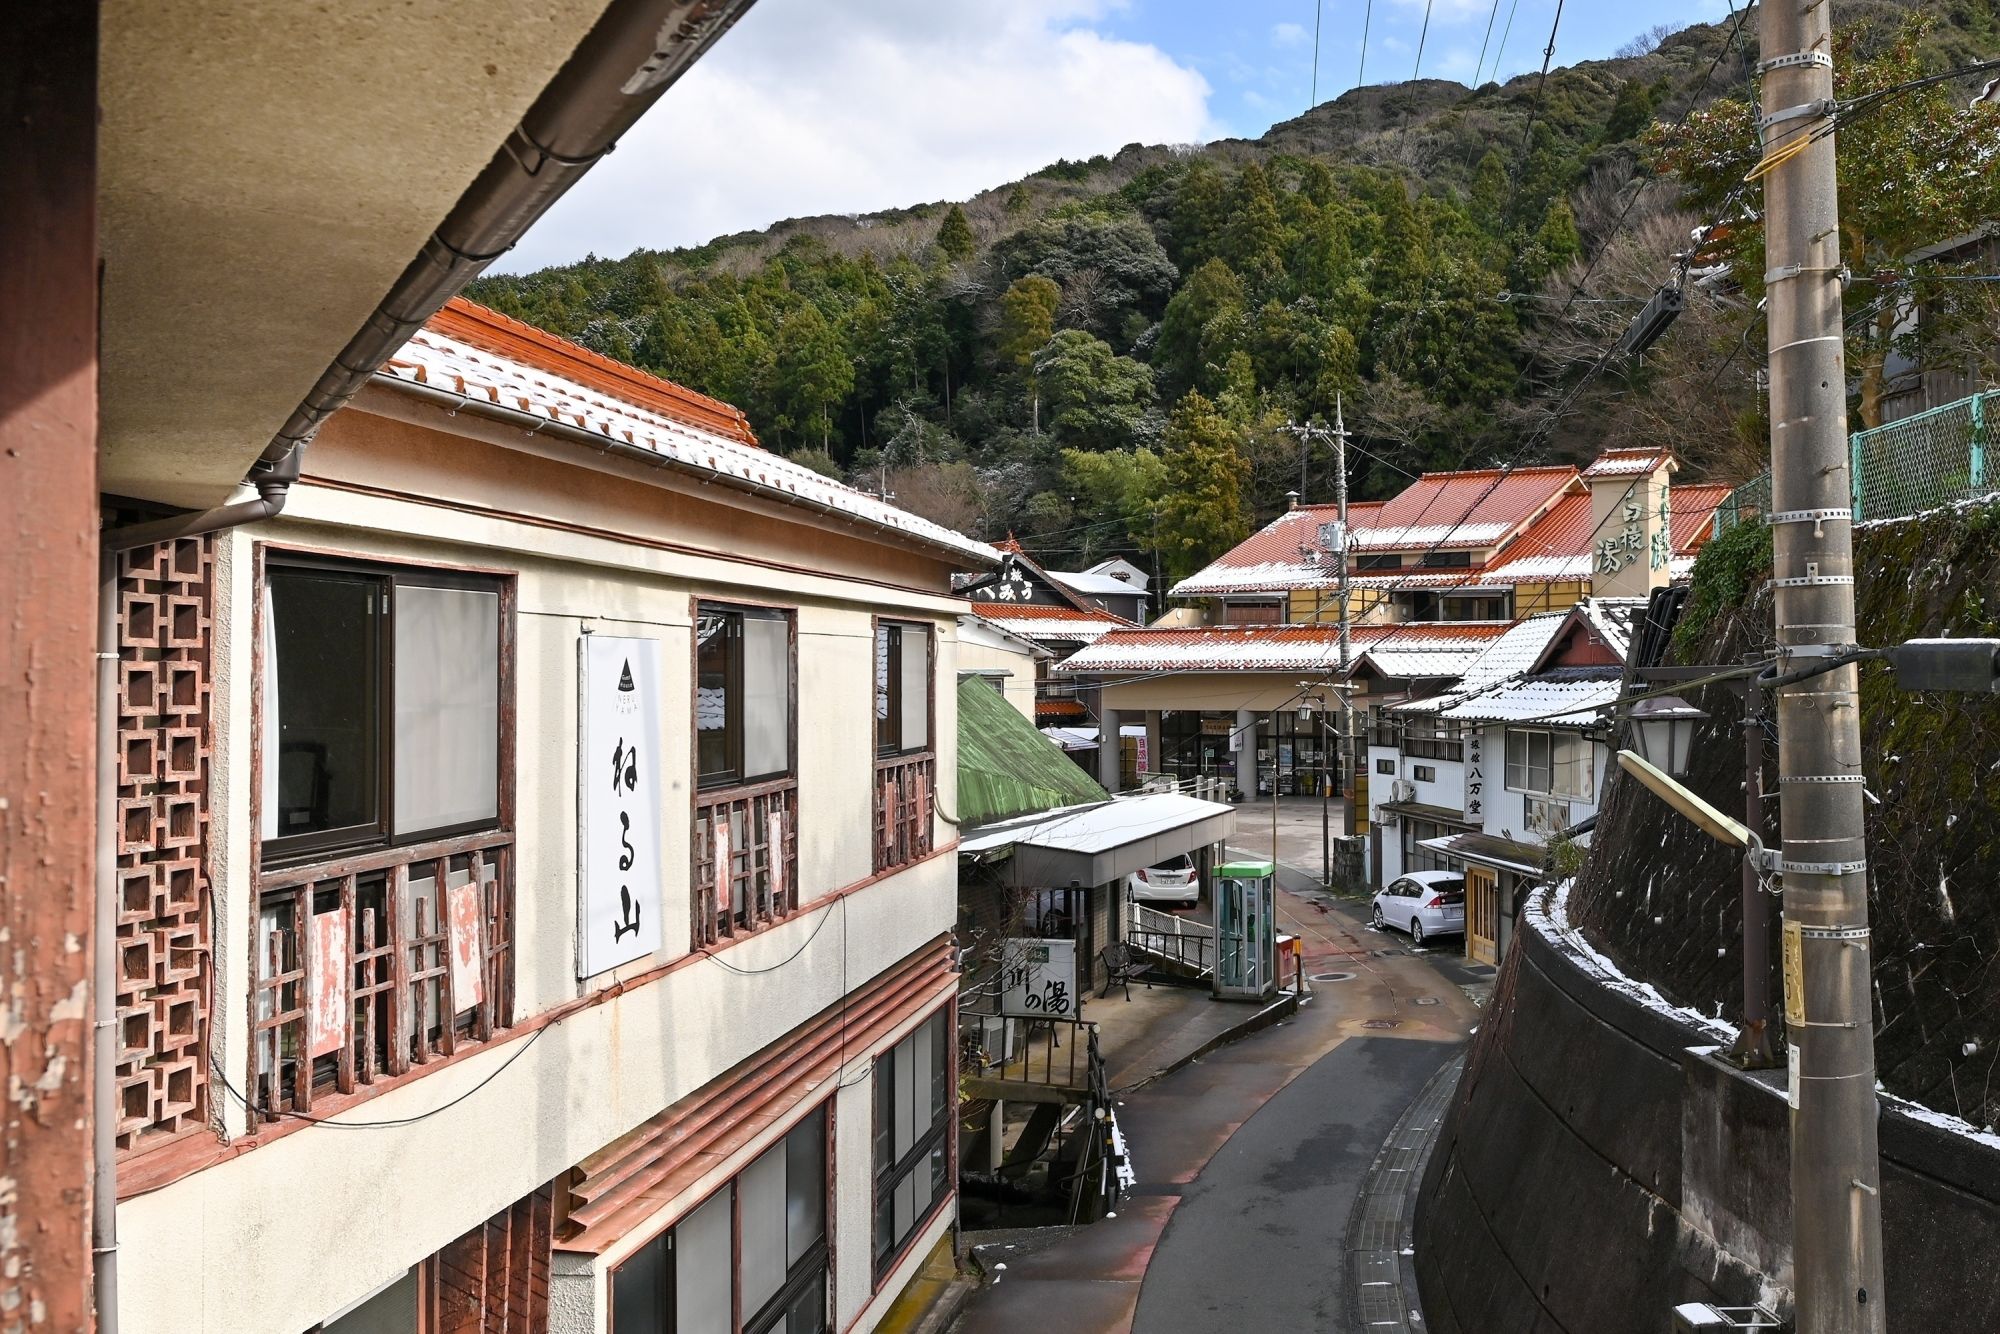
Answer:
(1249, 1162)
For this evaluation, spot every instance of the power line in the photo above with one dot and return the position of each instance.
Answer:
(1501, 53)
(1319, 12)
(1367, 17)
(1422, 36)
(1491, 14)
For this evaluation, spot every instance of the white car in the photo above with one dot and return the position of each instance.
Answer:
(1172, 881)
(1423, 903)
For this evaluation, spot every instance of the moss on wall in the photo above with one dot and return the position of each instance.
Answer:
(1664, 899)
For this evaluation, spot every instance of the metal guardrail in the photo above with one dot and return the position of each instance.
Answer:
(1050, 1053)
(1171, 939)
(1903, 468)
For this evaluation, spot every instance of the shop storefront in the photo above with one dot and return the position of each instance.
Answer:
(1197, 744)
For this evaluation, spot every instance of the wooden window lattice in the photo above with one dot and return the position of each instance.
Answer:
(402, 1009)
(903, 787)
(762, 876)
(165, 629)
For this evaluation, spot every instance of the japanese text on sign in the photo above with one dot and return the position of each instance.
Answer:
(619, 797)
(1038, 979)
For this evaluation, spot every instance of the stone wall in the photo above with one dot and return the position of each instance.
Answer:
(1598, 1167)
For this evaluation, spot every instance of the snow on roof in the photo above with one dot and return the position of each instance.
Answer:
(1629, 463)
(1270, 560)
(1464, 509)
(1511, 654)
(1574, 697)
(1095, 585)
(1042, 624)
(1422, 664)
(1263, 648)
(485, 356)
(1612, 619)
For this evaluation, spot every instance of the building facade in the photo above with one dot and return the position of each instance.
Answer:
(535, 907)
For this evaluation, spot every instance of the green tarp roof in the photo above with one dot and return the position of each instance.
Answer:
(1006, 767)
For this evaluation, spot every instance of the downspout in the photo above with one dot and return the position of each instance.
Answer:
(104, 981)
(635, 52)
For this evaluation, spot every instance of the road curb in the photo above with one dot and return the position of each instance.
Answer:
(1380, 1230)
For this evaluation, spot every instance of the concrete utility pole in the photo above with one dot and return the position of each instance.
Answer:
(1836, 1190)
(1347, 749)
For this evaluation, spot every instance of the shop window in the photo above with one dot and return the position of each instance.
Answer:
(743, 694)
(912, 1120)
(757, 1245)
(1549, 763)
(381, 707)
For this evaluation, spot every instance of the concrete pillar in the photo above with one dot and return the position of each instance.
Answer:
(1108, 749)
(1245, 737)
(1155, 758)
(48, 713)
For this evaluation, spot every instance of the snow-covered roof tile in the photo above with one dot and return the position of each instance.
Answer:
(469, 350)
(1557, 699)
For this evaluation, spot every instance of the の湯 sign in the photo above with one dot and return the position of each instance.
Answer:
(618, 803)
(1038, 979)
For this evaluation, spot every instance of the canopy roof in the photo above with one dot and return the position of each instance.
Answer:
(1006, 767)
(1094, 845)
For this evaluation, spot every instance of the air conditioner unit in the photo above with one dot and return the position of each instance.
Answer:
(1387, 818)
(1402, 790)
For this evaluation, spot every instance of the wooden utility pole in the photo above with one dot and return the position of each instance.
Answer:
(48, 641)
(1836, 1188)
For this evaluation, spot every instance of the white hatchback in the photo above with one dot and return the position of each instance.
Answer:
(1423, 903)
(1172, 881)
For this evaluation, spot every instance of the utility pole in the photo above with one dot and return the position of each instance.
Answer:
(1836, 1188)
(1346, 758)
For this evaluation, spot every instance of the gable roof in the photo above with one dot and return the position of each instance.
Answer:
(1270, 559)
(1511, 654)
(1459, 510)
(1042, 624)
(503, 367)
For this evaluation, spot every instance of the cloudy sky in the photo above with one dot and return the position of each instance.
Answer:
(844, 106)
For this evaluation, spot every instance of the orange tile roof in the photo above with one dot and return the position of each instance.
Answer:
(1456, 510)
(484, 328)
(1692, 517)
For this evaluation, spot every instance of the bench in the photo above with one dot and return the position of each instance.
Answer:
(1119, 970)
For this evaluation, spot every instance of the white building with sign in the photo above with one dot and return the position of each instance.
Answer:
(536, 886)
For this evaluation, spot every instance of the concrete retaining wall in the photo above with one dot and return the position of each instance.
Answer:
(1598, 1166)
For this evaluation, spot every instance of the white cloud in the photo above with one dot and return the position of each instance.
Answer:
(809, 108)
(1290, 34)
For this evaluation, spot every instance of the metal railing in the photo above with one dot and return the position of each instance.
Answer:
(1047, 1053)
(1171, 939)
(1903, 468)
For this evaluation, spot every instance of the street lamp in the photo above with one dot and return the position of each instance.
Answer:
(1663, 731)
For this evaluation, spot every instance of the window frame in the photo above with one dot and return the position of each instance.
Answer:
(737, 777)
(885, 1179)
(900, 751)
(1377, 561)
(299, 850)
(818, 1261)
(1556, 742)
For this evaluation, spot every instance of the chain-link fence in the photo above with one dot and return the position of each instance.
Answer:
(1911, 465)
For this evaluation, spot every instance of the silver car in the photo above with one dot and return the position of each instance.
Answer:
(1423, 903)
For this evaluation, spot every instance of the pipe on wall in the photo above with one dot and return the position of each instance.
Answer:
(104, 980)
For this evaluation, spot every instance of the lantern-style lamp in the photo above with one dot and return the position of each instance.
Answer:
(1663, 732)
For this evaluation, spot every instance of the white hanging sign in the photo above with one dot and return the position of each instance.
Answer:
(1038, 979)
(619, 793)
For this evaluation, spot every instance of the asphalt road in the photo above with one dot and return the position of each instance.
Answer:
(1255, 1243)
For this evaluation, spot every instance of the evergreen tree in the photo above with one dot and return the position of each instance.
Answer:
(812, 374)
(1027, 318)
(1201, 513)
(1254, 239)
(1202, 323)
(1630, 114)
(1096, 398)
(954, 239)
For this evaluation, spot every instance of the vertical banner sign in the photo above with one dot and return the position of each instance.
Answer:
(468, 976)
(1038, 979)
(618, 799)
(1475, 774)
(327, 1024)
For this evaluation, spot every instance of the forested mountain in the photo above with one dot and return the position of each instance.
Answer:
(1104, 357)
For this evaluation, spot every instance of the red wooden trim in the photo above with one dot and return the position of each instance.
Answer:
(634, 540)
(148, 1171)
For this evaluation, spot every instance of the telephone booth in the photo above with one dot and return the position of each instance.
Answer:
(1246, 935)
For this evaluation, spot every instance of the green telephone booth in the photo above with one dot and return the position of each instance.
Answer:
(1246, 932)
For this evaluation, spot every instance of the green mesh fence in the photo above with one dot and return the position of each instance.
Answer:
(1915, 464)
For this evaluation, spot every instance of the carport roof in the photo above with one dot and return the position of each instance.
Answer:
(1098, 843)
